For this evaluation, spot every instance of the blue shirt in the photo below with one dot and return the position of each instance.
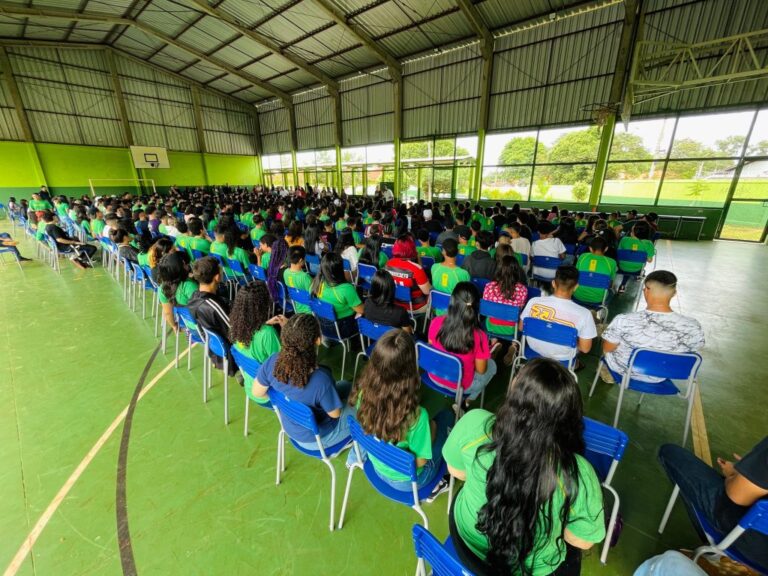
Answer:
(319, 394)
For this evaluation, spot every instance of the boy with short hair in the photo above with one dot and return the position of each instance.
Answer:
(594, 261)
(424, 249)
(258, 228)
(264, 251)
(548, 246)
(447, 274)
(297, 277)
(637, 241)
(198, 239)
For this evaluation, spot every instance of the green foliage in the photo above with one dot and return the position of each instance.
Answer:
(730, 146)
(580, 191)
(520, 151)
(758, 148)
(696, 189)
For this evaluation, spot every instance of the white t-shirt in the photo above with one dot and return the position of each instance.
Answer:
(562, 311)
(350, 253)
(522, 246)
(663, 331)
(551, 247)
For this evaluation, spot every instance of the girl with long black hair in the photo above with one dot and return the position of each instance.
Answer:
(530, 502)
(176, 287)
(330, 285)
(458, 332)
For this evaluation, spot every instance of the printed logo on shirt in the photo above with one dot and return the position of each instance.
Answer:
(548, 314)
(592, 265)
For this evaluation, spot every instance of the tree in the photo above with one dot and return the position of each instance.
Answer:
(758, 148)
(688, 148)
(520, 151)
(627, 146)
(730, 146)
(580, 191)
(579, 146)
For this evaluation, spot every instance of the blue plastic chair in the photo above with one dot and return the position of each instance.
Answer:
(570, 249)
(240, 275)
(216, 344)
(533, 292)
(498, 311)
(313, 264)
(756, 518)
(302, 415)
(326, 311)
(198, 254)
(365, 274)
(601, 282)
(437, 301)
(657, 364)
(605, 447)
(250, 367)
(460, 259)
(6, 250)
(430, 551)
(403, 295)
(387, 249)
(188, 325)
(300, 296)
(348, 268)
(142, 282)
(257, 272)
(427, 263)
(370, 332)
(550, 332)
(522, 258)
(443, 365)
(547, 262)
(481, 283)
(399, 460)
(636, 256)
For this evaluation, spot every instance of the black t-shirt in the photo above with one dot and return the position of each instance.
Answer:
(392, 315)
(57, 234)
(754, 467)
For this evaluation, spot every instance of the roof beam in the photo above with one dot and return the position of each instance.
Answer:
(13, 88)
(17, 10)
(266, 42)
(476, 23)
(395, 70)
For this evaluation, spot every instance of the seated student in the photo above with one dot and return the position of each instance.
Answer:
(479, 263)
(380, 306)
(10, 244)
(226, 246)
(209, 309)
(295, 236)
(561, 309)
(371, 253)
(176, 287)
(594, 261)
(111, 222)
(566, 233)
(199, 240)
(671, 563)
(657, 327)
(407, 272)
(549, 246)
(97, 224)
(424, 248)
(508, 287)
(80, 254)
(264, 250)
(580, 222)
(466, 248)
(391, 374)
(124, 248)
(297, 277)
(446, 274)
(258, 228)
(330, 285)
(525, 463)
(347, 249)
(459, 334)
(252, 331)
(278, 263)
(722, 497)
(294, 372)
(637, 242)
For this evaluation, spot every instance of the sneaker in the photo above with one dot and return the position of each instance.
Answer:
(240, 379)
(495, 348)
(509, 357)
(441, 487)
(605, 375)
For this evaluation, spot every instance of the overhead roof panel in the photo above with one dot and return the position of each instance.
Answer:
(138, 43)
(173, 58)
(343, 64)
(167, 17)
(250, 12)
(269, 66)
(201, 73)
(46, 29)
(62, 4)
(90, 32)
(324, 43)
(382, 19)
(11, 27)
(235, 57)
(202, 39)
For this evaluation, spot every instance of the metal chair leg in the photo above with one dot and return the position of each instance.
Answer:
(668, 510)
(247, 407)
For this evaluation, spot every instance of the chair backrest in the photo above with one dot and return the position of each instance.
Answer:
(197, 254)
(313, 263)
(460, 259)
(756, 517)
(594, 280)
(396, 458)
(300, 414)
(427, 262)
(323, 309)
(499, 311)
(347, 265)
(638, 256)
(372, 330)
(533, 292)
(439, 300)
(438, 363)
(430, 549)
(522, 258)
(245, 363)
(216, 343)
(148, 275)
(672, 365)
(604, 444)
(387, 249)
(480, 283)
(236, 266)
(185, 317)
(402, 293)
(548, 262)
(570, 248)
(551, 332)
(365, 274)
(257, 272)
(300, 296)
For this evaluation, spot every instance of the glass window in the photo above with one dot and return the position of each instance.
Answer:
(380, 153)
(758, 143)
(353, 155)
(514, 148)
(632, 182)
(696, 182)
(373, 177)
(285, 162)
(270, 162)
(506, 182)
(409, 183)
(644, 140)
(464, 181)
(562, 183)
(305, 159)
(417, 150)
(568, 145)
(711, 135)
(325, 158)
(466, 149)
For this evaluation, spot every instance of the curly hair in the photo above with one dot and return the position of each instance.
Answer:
(249, 312)
(297, 359)
(388, 388)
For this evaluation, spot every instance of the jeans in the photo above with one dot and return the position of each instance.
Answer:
(671, 563)
(480, 381)
(341, 430)
(443, 422)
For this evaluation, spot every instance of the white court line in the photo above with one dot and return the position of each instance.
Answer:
(40, 525)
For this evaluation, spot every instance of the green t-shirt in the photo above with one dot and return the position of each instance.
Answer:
(466, 249)
(382, 258)
(61, 209)
(183, 293)
(247, 219)
(581, 223)
(257, 233)
(302, 281)
(591, 263)
(96, 227)
(444, 279)
(340, 224)
(201, 244)
(430, 252)
(182, 243)
(635, 245)
(264, 343)
(39, 205)
(212, 225)
(585, 517)
(265, 258)
(418, 441)
(143, 258)
(343, 298)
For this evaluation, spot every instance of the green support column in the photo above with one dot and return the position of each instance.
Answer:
(397, 176)
(295, 168)
(337, 182)
(606, 138)
(477, 176)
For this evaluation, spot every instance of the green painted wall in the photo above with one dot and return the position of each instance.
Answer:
(19, 174)
(186, 170)
(232, 170)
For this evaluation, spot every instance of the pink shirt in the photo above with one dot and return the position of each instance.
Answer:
(481, 351)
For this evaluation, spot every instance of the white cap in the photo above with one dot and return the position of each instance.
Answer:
(427, 214)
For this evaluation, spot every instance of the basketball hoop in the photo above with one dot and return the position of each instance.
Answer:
(599, 112)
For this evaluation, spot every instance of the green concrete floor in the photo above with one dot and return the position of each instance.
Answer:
(202, 498)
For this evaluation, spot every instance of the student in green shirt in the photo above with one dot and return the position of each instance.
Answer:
(226, 247)
(252, 330)
(371, 253)
(390, 374)
(554, 493)
(447, 274)
(424, 249)
(198, 241)
(258, 229)
(264, 251)
(330, 285)
(37, 205)
(637, 241)
(97, 224)
(296, 277)
(176, 287)
(594, 261)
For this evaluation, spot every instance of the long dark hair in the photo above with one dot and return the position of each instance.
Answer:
(388, 388)
(331, 272)
(297, 359)
(457, 334)
(370, 251)
(382, 292)
(508, 275)
(276, 262)
(250, 311)
(172, 271)
(346, 239)
(536, 435)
